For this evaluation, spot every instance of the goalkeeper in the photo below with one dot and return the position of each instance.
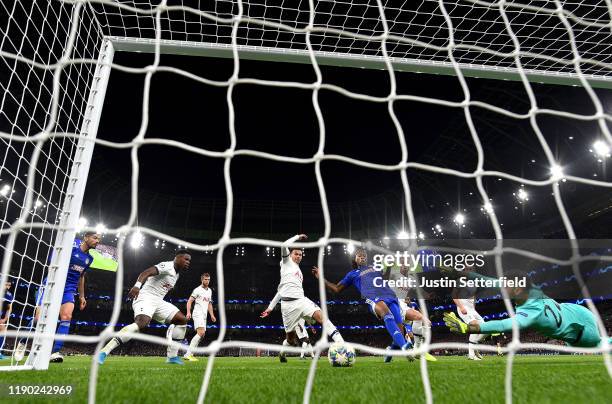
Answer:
(568, 322)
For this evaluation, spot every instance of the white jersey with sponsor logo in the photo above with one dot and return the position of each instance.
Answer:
(159, 285)
(291, 277)
(201, 298)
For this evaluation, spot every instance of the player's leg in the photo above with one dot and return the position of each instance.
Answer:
(391, 315)
(21, 345)
(195, 341)
(472, 317)
(332, 331)
(290, 340)
(143, 313)
(141, 322)
(589, 337)
(63, 328)
(390, 312)
(306, 348)
(174, 316)
(3, 327)
(291, 313)
(302, 335)
(421, 328)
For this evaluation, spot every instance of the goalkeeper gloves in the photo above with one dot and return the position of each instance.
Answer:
(454, 324)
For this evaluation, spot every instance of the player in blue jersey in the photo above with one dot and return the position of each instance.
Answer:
(382, 301)
(80, 261)
(571, 323)
(5, 312)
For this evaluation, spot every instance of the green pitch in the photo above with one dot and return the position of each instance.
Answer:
(541, 379)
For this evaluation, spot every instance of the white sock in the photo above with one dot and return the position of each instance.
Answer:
(195, 341)
(418, 340)
(417, 327)
(118, 340)
(474, 339)
(169, 331)
(311, 350)
(304, 347)
(177, 334)
(282, 351)
(333, 332)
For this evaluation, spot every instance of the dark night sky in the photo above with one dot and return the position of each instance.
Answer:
(283, 121)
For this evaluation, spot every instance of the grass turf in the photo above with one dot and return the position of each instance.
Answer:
(537, 379)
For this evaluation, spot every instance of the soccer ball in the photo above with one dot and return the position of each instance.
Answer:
(341, 354)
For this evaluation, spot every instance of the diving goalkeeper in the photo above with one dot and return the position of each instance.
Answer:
(571, 323)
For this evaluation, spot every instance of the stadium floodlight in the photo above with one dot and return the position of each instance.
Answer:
(487, 207)
(38, 203)
(459, 219)
(81, 224)
(6, 189)
(601, 148)
(402, 235)
(350, 248)
(556, 172)
(136, 240)
(421, 235)
(100, 228)
(521, 195)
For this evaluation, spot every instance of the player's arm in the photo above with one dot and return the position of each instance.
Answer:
(189, 304)
(142, 278)
(271, 306)
(524, 318)
(333, 287)
(210, 311)
(285, 250)
(82, 300)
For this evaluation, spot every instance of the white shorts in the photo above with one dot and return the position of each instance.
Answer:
(300, 329)
(470, 316)
(294, 310)
(404, 308)
(154, 307)
(199, 319)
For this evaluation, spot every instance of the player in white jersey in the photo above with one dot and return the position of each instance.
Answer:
(148, 293)
(417, 326)
(300, 329)
(201, 301)
(294, 305)
(465, 300)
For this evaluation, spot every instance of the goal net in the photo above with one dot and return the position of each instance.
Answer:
(45, 97)
(57, 56)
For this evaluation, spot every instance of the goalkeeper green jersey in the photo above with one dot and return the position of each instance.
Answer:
(571, 323)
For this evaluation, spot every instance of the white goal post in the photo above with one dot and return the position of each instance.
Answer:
(59, 54)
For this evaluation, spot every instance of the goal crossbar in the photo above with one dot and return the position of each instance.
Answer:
(272, 54)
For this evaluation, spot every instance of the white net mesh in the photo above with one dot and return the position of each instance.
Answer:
(416, 33)
(34, 173)
(562, 39)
